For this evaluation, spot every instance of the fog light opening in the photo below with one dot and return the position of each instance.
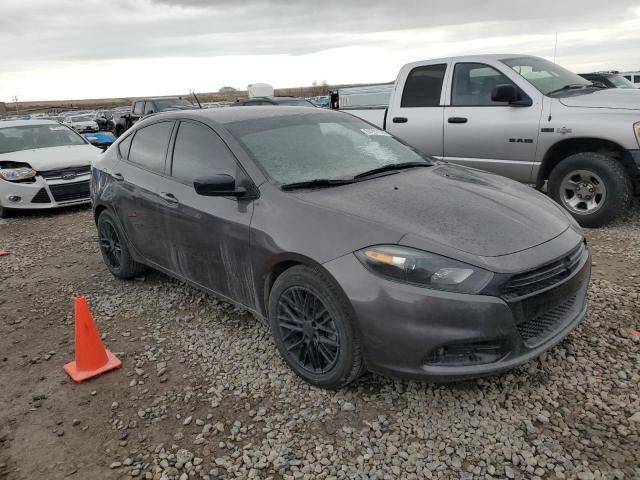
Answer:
(14, 198)
(477, 353)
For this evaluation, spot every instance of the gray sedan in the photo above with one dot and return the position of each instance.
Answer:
(358, 251)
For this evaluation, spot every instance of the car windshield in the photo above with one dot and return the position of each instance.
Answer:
(620, 82)
(172, 102)
(306, 147)
(296, 103)
(546, 76)
(29, 137)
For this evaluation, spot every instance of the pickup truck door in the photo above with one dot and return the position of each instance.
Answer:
(416, 113)
(488, 135)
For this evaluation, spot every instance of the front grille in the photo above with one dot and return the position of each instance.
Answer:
(59, 174)
(543, 277)
(67, 192)
(41, 197)
(535, 330)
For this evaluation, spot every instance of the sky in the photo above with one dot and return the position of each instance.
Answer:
(68, 49)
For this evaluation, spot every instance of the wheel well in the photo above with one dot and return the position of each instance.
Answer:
(565, 148)
(277, 270)
(99, 209)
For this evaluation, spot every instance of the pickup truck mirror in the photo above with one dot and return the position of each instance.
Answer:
(218, 186)
(504, 93)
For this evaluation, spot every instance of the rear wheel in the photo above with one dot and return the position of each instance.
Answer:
(313, 328)
(593, 187)
(114, 249)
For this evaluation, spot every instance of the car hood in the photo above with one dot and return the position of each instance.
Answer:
(53, 158)
(88, 123)
(616, 98)
(458, 208)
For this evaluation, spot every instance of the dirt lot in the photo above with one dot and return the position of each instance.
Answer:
(203, 394)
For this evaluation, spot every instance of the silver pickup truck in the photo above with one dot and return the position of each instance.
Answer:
(519, 116)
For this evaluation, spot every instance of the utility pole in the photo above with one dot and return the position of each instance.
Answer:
(15, 99)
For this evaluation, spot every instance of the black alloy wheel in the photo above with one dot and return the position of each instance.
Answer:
(308, 330)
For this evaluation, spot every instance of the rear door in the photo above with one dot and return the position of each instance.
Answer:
(417, 116)
(481, 133)
(210, 235)
(142, 204)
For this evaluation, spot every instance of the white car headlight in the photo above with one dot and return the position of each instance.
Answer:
(15, 174)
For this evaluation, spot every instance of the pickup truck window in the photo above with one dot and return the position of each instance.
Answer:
(473, 84)
(148, 108)
(138, 108)
(423, 86)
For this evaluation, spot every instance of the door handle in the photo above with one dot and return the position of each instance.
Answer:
(118, 177)
(457, 120)
(168, 197)
(400, 120)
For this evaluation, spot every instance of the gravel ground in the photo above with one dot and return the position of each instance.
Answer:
(203, 394)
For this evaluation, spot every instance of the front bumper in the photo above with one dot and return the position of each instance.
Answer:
(406, 330)
(48, 190)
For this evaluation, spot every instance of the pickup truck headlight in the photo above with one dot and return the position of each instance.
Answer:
(16, 174)
(424, 269)
(636, 129)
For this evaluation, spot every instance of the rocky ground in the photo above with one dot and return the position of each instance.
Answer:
(202, 392)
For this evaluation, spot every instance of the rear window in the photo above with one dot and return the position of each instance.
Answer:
(31, 137)
(424, 86)
(149, 146)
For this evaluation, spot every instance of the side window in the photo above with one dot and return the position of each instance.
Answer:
(137, 108)
(149, 146)
(123, 147)
(424, 86)
(199, 152)
(148, 108)
(473, 84)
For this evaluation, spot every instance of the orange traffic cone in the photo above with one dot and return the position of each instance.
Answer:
(91, 357)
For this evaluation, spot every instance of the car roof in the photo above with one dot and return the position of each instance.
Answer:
(22, 123)
(224, 115)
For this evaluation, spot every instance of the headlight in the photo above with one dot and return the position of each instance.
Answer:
(425, 269)
(15, 174)
(636, 129)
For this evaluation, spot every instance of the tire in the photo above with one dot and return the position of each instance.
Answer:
(119, 130)
(307, 346)
(579, 180)
(4, 213)
(114, 249)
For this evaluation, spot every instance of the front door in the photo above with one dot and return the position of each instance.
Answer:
(209, 235)
(481, 133)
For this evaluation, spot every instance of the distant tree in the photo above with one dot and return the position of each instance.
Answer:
(227, 90)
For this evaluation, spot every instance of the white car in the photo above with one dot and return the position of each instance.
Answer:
(43, 165)
(82, 123)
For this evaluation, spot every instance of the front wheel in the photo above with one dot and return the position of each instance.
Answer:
(593, 187)
(312, 325)
(4, 213)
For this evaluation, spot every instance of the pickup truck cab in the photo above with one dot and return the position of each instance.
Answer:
(147, 106)
(522, 117)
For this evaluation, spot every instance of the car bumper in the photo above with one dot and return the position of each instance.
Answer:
(45, 193)
(416, 332)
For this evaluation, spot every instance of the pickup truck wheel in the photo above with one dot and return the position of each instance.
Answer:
(119, 130)
(593, 187)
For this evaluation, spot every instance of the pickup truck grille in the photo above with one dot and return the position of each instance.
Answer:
(543, 277)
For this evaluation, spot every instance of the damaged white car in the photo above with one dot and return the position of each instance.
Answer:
(42, 165)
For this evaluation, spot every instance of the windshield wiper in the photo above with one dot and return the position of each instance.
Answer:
(317, 182)
(571, 86)
(391, 166)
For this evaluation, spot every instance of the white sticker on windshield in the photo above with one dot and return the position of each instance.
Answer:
(374, 131)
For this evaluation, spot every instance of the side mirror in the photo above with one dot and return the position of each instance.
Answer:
(504, 93)
(222, 185)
